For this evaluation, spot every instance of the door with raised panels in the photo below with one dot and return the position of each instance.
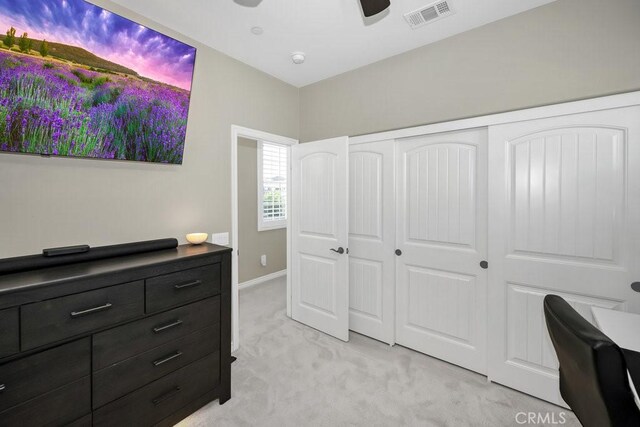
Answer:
(564, 219)
(319, 235)
(372, 239)
(442, 236)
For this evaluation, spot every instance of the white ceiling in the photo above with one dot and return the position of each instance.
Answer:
(333, 33)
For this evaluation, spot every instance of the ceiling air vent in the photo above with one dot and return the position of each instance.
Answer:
(429, 13)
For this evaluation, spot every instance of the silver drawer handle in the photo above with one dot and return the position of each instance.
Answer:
(188, 284)
(169, 395)
(2, 388)
(167, 359)
(107, 306)
(173, 324)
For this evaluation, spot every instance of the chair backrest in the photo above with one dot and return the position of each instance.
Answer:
(593, 373)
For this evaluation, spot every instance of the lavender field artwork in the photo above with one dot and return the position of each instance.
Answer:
(77, 80)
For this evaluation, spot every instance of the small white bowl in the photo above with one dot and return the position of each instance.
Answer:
(197, 238)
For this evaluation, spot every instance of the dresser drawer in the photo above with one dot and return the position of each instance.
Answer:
(85, 421)
(41, 373)
(128, 340)
(9, 332)
(123, 377)
(52, 320)
(163, 397)
(178, 288)
(59, 407)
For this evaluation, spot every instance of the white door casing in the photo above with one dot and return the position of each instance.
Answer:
(564, 213)
(236, 132)
(320, 223)
(372, 239)
(442, 233)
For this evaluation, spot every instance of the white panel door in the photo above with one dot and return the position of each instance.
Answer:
(319, 235)
(564, 219)
(441, 231)
(372, 239)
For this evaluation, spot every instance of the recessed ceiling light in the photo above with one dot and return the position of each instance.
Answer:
(298, 57)
(257, 30)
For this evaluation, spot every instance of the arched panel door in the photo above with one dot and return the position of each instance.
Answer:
(441, 231)
(564, 213)
(319, 235)
(372, 239)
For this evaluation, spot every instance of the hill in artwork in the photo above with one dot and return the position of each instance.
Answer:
(79, 55)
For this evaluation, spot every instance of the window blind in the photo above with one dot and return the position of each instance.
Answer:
(274, 184)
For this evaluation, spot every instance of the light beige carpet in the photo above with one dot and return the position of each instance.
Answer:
(288, 374)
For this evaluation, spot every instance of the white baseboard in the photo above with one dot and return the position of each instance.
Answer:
(262, 279)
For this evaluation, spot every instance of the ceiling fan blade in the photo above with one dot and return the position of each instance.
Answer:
(373, 7)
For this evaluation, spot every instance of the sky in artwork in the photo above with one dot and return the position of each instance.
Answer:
(105, 34)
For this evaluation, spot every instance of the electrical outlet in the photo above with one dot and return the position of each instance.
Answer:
(263, 260)
(221, 239)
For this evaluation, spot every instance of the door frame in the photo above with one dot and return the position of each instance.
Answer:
(258, 135)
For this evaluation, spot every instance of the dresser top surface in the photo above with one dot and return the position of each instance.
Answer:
(16, 282)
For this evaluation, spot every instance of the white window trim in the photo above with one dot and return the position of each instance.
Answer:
(271, 225)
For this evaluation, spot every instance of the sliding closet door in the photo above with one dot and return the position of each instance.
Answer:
(441, 231)
(372, 239)
(564, 219)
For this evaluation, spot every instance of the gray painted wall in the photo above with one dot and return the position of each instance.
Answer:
(57, 201)
(254, 243)
(566, 50)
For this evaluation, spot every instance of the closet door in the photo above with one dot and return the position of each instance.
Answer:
(564, 219)
(372, 239)
(441, 231)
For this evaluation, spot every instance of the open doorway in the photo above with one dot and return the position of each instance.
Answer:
(259, 195)
(262, 216)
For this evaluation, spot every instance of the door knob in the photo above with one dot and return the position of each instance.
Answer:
(635, 286)
(340, 250)
(398, 252)
(484, 264)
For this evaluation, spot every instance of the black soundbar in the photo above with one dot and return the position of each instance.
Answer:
(79, 254)
(67, 250)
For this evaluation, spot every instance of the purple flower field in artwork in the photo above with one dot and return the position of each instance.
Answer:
(55, 107)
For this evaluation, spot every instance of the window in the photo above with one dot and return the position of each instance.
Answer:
(273, 167)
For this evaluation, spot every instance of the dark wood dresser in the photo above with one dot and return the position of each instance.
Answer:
(136, 340)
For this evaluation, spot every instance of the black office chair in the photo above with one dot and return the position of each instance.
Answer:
(593, 372)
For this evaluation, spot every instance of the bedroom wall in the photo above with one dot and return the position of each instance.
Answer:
(47, 202)
(254, 243)
(563, 51)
